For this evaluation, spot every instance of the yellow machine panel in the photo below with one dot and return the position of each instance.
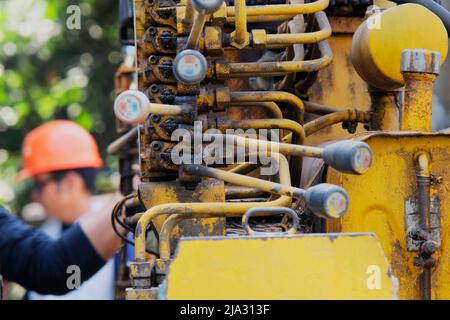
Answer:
(384, 200)
(323, 266)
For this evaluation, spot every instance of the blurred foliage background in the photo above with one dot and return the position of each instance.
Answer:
(50, 72)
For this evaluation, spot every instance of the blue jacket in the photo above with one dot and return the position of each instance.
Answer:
(32, 259)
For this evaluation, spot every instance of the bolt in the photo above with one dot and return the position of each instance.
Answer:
(352, 127)
(152, 59)
(155, 118)
(429, 247)
(154, 88)
(436, 179)
(167, 40)
(167, 96)
(152, 30)
(169, 125)
(156, 145)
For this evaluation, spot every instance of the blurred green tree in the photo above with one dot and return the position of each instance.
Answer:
(50, 72)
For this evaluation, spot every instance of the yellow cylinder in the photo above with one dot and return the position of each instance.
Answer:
(379, 42)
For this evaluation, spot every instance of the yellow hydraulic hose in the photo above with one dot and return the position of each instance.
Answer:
(276, 68)
(283, 9)
(336, 117)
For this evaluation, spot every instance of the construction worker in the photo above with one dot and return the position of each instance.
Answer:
(61, 158)
(35, 261)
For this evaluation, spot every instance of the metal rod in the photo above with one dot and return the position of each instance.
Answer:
(188, 14)
(271, 146)
(123, 141)
(243, 180)
(423, 186)
(196, 30)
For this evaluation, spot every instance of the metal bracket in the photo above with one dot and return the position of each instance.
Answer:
(412, 221)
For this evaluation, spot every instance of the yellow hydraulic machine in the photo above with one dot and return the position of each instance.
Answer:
(284, 151)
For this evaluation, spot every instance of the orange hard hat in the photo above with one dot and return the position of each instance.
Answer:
(58, 145)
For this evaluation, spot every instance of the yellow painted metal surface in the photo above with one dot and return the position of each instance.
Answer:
(155, 193)
(417, 106)
(140, 294)
(331, 266)
(378, 203)
(339, 85)
(380, 40)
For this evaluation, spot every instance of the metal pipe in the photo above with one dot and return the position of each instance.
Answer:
(243, 180)
(283, 9)
(188, 14)
(273, 96)
(211, 208)
(312, 107)
(296, 26)
(294, 127)
(172, 221)
(169, 109)
(420, 69)
(423, 186)
(281, 40)
(240, 37)
(272, 107)
(271, 146)
(124, 140)
(285, 124)
(345, 156)
(196, 30)
(244, 168)
(166, 230)
(237, 192)
(285, 39)
(385, 108)
(276, 68)
(353, 115)
(265, 18)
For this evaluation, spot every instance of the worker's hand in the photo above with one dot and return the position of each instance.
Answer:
(97, 227)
